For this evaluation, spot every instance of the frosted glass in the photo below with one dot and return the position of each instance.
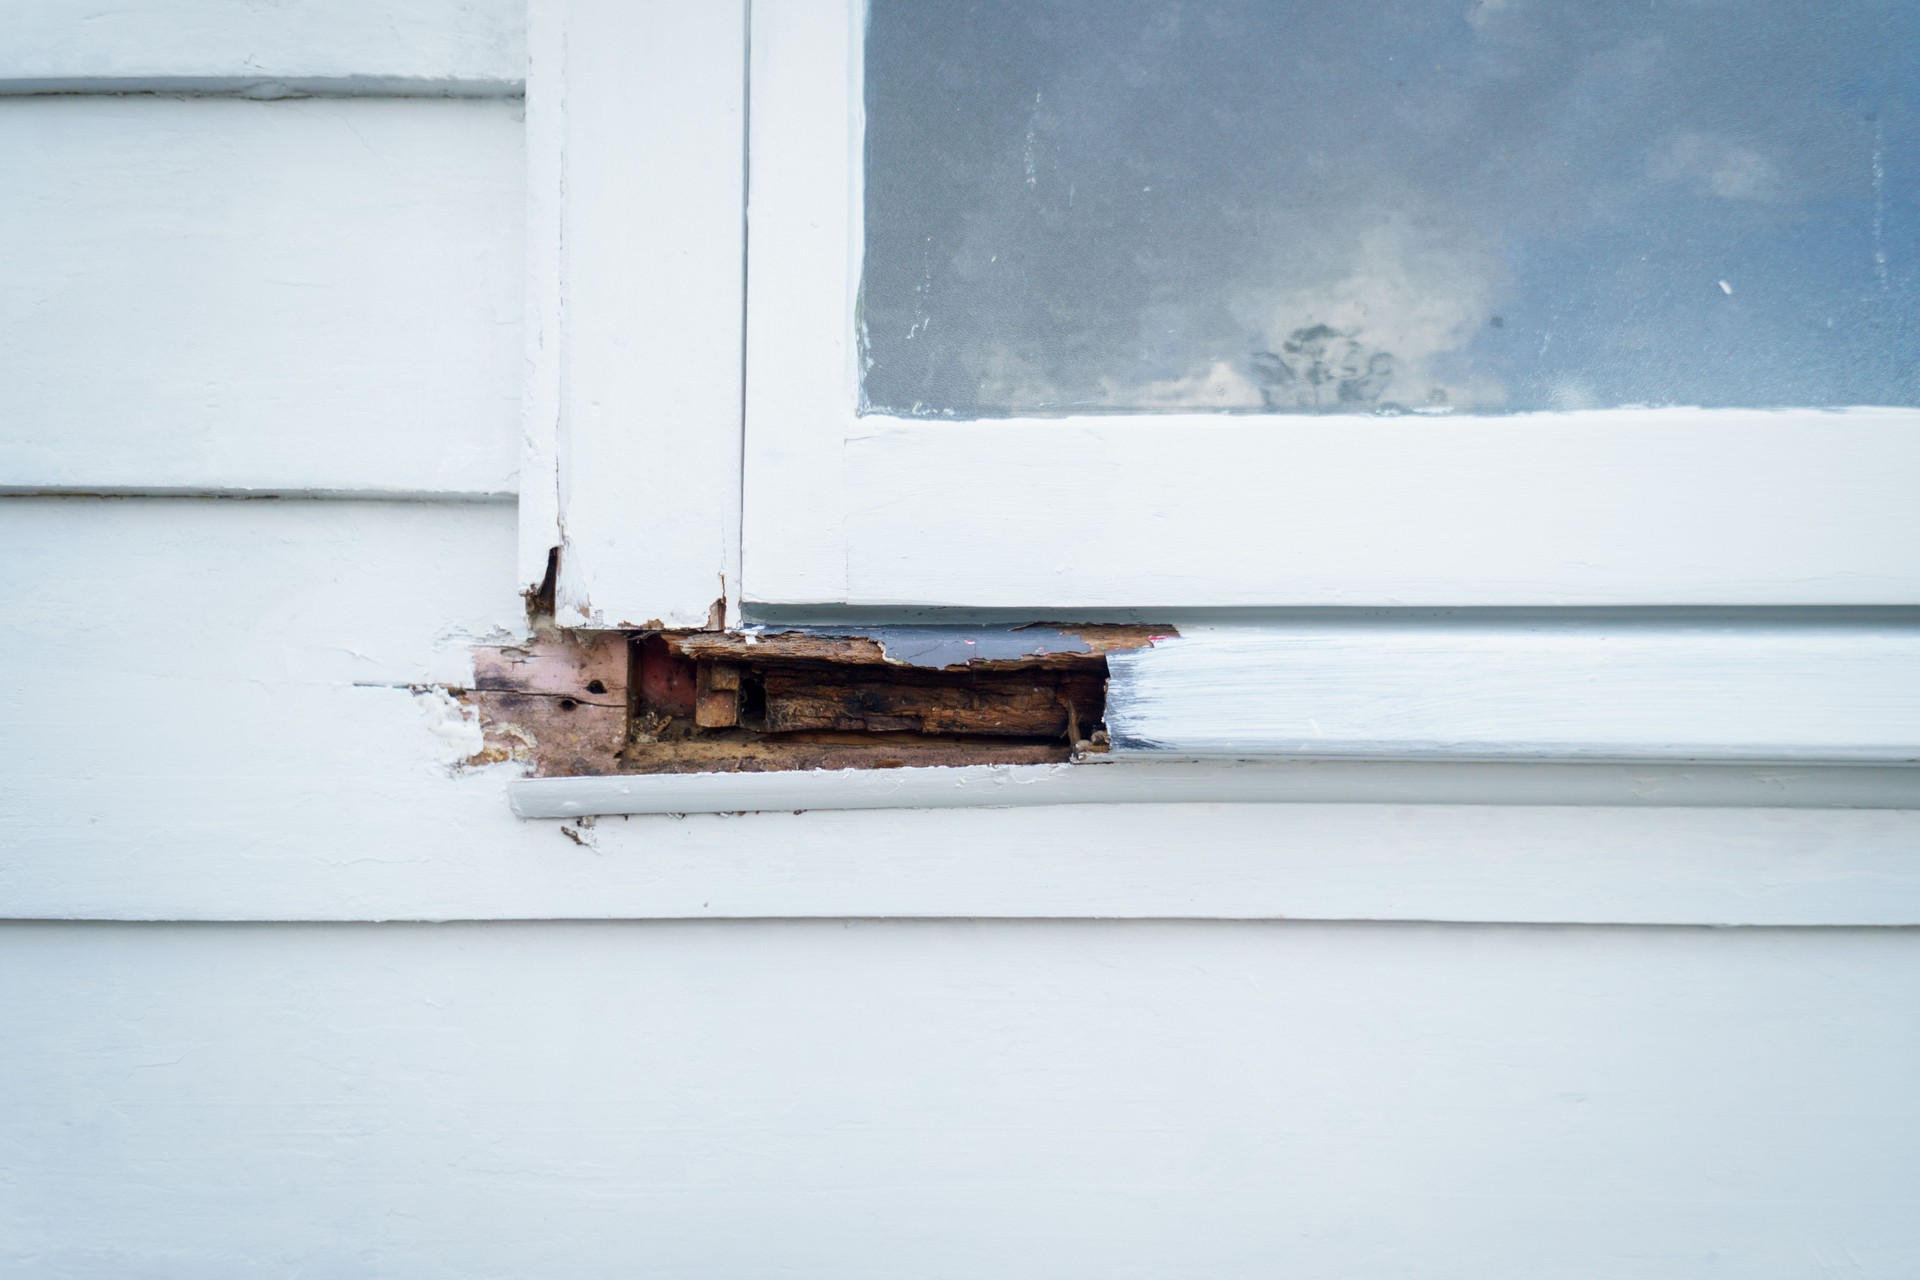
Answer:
(1083, 206)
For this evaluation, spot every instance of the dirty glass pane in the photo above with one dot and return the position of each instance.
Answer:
(1079, 206)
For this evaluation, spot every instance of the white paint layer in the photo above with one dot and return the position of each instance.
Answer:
(1635, 507)
(540, 392)
(647, 106)
(76, 43)
(819, 1101)
(235, 737)
(1453, 688)
(291, 296)
(1624, 507)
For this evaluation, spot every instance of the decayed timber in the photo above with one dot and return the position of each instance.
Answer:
(1042, 645)
(1032, 704)
(558, 702)
(601, 703)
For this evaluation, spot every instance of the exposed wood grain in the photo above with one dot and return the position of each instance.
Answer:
(716, 696)
(780, 646)
(1041, 645)
(557, 702)
(890, 700)
(806, 754)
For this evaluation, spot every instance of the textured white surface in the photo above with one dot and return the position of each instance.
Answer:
(1624, 507)
(1526, 689)
(226, 709)
(220, 294)
(647, 106)
(239, 739)
(958, 1099)
(79, 44)
(545, 136)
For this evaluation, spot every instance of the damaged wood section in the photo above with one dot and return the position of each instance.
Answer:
(594, 703)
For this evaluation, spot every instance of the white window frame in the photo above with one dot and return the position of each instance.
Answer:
(667, 319)
(1624, 507)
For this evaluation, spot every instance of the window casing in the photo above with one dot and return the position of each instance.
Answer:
(696, 453)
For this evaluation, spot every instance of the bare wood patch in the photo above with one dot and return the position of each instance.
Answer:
(1045, 645)
(588, 703)
(559, 701)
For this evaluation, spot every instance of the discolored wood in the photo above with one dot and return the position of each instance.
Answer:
(788, 646)
(1027, 704)
(559, 702)
(1064, 646)
(588, 703)
(666, 682)
(716, 696)
(742, 751)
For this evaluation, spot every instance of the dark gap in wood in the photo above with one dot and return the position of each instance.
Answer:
(597, 703)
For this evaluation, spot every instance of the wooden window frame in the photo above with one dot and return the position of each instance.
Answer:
(694, 455)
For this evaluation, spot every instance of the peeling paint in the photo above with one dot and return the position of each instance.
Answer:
(453, 722)
(596, 703)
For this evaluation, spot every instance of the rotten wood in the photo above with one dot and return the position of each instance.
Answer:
(591, 703)
(558, 701)
(995, 703)
(716, 696)
(1051, 646)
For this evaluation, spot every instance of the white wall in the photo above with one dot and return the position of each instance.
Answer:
(957, 1099)
(218, 708)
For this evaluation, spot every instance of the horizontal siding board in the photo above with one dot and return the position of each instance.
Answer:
(956, 1100)
(210, 715)
(208, 294)
(83, 43)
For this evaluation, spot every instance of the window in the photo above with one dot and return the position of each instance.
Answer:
(1757, 498)
(1402, 305)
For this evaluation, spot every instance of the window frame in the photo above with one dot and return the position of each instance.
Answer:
(693, 461)
(1609, 508)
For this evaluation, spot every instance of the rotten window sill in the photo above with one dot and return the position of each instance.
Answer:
(610, 704)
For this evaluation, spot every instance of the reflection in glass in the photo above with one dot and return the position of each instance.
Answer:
(1079, 206)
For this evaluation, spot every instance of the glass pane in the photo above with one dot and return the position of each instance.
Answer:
(1083, 206)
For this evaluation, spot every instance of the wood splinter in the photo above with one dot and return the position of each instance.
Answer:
(716, 698)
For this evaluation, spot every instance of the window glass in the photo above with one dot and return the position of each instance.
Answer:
(1083, 206)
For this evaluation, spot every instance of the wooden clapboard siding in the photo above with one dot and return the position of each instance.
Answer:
(212, 294)
(957, 1099)
(211, 714)
(104, 45)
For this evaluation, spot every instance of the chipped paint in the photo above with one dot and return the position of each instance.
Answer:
(585, 703)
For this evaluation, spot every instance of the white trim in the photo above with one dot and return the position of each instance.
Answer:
(546, 120)
(1625, 507)
(642, 334)
(1463, 689)
(1180, 782)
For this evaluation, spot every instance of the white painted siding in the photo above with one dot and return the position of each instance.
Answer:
(220, 709)
(215, 294)
(95, 45)
(955, 1099)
